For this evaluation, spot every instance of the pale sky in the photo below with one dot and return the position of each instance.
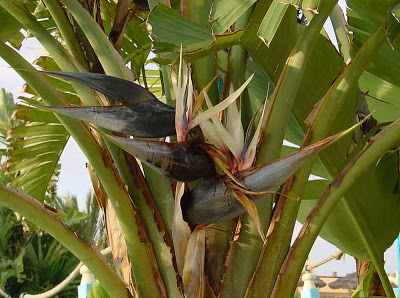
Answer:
(74, 178)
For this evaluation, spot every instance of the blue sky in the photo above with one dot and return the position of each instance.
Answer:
(74, 178)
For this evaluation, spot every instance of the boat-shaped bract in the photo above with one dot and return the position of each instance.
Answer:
(141, 114)
(144, 119)
(212, 201)
(121, 90)
(186, 161)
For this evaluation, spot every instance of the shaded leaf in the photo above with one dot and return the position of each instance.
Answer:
(364, 20)
(34, 115)
(377, 204)
(10, 29)
(196, 51)
(374, 12)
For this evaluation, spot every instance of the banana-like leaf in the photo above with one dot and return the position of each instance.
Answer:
(385, 64)
(170, 26)
(185, 161)
(212, 201)
(196, 51)
(271, 21)
(272, 59)
(383, 97)
(170, 30)
(144, 119)
(10, 29)
(224, 13)
(121, 90)
(97, 291)
(310, 5)
(374, 12)
(28, 113)
(376, 197)
(35, 150)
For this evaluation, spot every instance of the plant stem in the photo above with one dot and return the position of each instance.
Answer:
(204, 69)
(35, 212)
(109, 58)
(237, 62)
(67, 33)
(236, 279)
(384, 141)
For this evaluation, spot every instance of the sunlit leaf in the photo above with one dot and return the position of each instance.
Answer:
(170, 26)
(97, 291)
(271, 21)
(224, 13)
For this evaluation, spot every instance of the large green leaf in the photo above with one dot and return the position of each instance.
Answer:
(373, 194)
(374, 12)
(383, 97)
(10, 29)
(376, 202)
(33, 157)
(197, 51)
(272, 59)
(225, 12)
(171, 31)
(385, 64)
(170, 26)
(324, 68)
(271, 21)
